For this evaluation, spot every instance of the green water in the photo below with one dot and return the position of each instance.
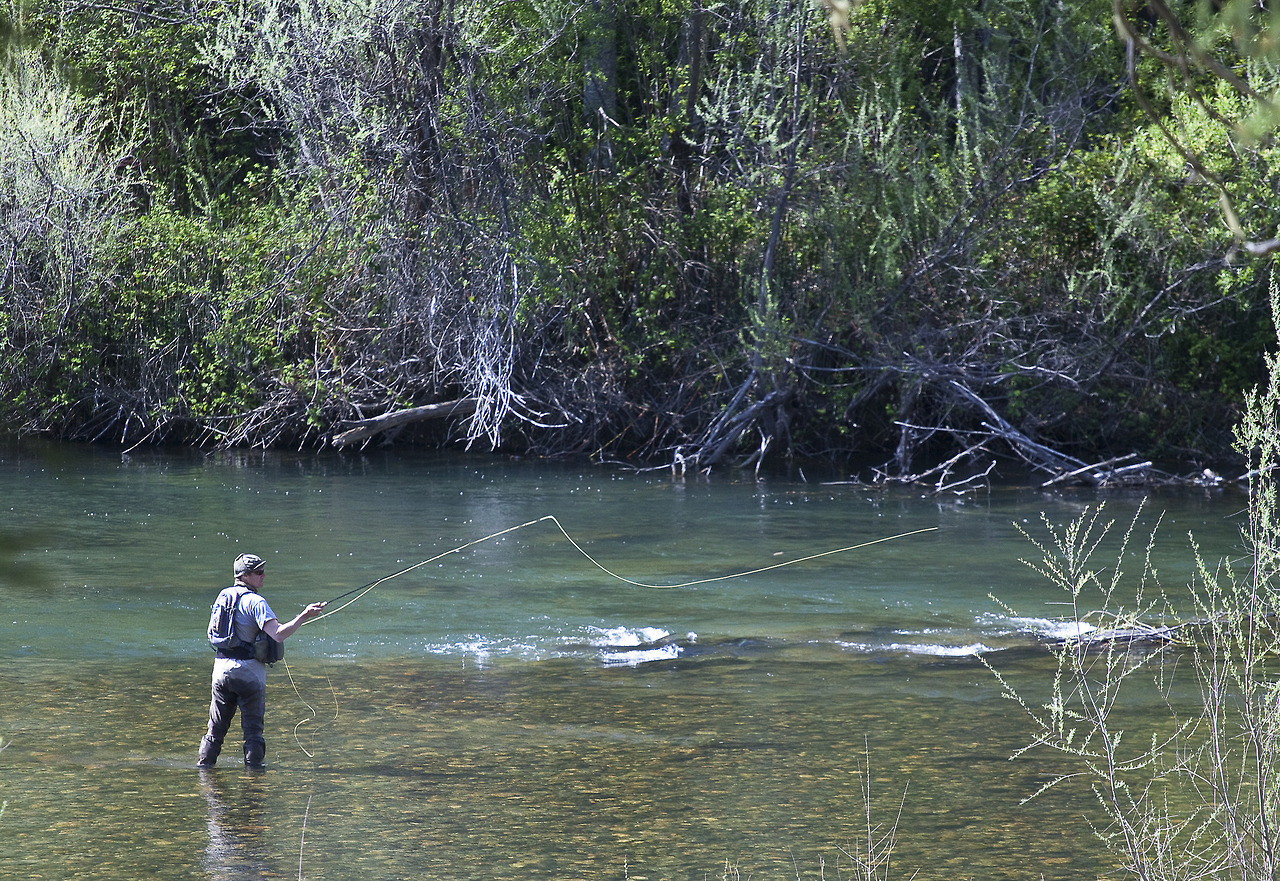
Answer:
(421, 771)
(488, 717)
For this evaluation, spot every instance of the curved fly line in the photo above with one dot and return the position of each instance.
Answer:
(359, 592)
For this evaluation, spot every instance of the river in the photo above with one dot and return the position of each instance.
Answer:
(544, 703)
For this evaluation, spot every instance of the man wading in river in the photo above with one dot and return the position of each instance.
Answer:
(252, 639)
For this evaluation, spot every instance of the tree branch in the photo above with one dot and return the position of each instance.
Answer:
(366, 428)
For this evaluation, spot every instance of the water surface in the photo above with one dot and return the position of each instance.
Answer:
(512, 710)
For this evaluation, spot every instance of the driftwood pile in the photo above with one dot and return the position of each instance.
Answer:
(988, 439)
(1135, 634)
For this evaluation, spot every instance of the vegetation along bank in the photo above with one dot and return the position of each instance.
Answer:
(925, 235)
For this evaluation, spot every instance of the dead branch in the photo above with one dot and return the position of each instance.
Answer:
(1036, 454)
(1093, 470)
(366, 428)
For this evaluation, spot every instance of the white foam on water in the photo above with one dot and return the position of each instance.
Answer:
(623, 637)
(992, 632)
(481, 649)
(1053, 628)
(640, 656)
(932, 649)
(640, 639)
(942, 651)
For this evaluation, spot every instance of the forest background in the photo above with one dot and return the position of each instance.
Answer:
(915, 235)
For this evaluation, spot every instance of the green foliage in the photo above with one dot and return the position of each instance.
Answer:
(327, 209)
(185, 130)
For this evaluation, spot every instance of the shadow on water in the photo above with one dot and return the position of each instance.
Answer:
(18, 573)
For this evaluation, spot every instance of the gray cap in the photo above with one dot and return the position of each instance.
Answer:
(246, 563)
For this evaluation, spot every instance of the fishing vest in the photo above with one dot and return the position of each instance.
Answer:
(222, 631)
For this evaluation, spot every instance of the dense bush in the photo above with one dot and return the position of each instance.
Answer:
(648, 231)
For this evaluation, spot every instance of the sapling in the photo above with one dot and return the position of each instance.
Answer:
(1195, 794)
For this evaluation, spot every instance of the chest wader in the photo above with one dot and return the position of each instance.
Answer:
(242, 688)
(238, 688)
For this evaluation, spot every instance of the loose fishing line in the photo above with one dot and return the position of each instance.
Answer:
(296, 739)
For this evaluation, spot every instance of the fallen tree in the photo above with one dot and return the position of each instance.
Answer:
(361, 430)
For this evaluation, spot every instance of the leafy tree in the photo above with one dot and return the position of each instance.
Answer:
(65, 206)
(914, 233)
(1204, 75)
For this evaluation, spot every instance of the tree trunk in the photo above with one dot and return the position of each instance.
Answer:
(367, 428)
(600, 80)
(684, 100)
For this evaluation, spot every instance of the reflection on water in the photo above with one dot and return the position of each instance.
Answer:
(237, 848)
(512, 712)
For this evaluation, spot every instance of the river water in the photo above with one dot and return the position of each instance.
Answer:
(524, 708)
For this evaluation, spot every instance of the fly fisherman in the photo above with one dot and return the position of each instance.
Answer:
(240, 673)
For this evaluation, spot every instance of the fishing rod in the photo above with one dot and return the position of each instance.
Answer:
(364, 589)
